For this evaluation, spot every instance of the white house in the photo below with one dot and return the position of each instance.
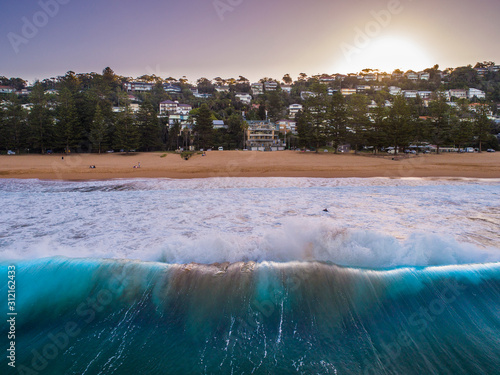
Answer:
(257, 88)
(476, 93)
(174, 108)
(184, 109)
(219, 124)
(270, 85)
(412, 76)
(293, 109)
(410, 94)
(138, 86)
(425, 94)
(458, 93)
(286, 88)
(244, 97)
(393, 90)
(424, 76)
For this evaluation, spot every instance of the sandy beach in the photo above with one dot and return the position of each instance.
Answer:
(245, 164)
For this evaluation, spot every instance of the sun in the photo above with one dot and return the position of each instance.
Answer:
(385, 54)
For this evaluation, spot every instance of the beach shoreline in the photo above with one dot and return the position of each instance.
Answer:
(76, 167)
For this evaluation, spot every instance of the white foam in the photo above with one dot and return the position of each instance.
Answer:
(369, 223)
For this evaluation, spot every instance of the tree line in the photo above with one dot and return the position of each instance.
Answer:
(80, 118)
(355, 120)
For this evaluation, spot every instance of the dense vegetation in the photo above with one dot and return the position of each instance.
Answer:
(75, 113)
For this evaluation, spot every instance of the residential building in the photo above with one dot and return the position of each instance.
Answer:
(6, 90)
(412, 76)
(287, 126)
(362, 88)
(495, 68)
(394, 90)
(270, 86)
(183, 120)
(410, 93)
(262, 135)
(171, 89)
(293, 109)
(331, 91)
(222, 88)
(482, 71)
(168, 106)
(381, 77)
(370, 77)
(184, 109)
(244, 97)
(138, 86)
(425, 94)
(171, 107)
(286, 88)
(476, 93)
(257, 88)
(424, 76)
(347, 92)
(327, 78)
(458, 93)
(219, 124)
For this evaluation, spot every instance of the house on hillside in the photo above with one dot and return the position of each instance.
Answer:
(262, 135)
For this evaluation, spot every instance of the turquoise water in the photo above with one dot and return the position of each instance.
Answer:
(93, 316)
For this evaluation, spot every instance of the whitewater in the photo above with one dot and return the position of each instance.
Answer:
(253, 276)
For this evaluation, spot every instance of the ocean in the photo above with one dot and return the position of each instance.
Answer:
(250, 276)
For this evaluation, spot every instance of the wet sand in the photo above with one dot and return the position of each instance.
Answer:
(246, 164)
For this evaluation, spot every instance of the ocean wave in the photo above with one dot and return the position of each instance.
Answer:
(115, 316)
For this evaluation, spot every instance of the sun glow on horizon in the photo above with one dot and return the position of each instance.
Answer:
(385, 54)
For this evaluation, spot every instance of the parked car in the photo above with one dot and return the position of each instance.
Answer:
(49, 152)
(221, 148)
(490, 150)
(10, 152)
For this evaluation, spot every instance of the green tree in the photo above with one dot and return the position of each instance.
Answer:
(15, 127)
(482, 126)
(235, 129)
(400, 125)
(358, 120)
(440, 125)
(337, 120)
(67, 127)
(40, 120)
(99, 129)
(173, 135)
(287, 79)
(204, 127)
(126, 132)
(149, 126)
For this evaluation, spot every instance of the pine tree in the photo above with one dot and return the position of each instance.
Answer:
(99, 129)
(67, 127)
(204, 127)
(40, 120)
(126, 132)
(149, 126)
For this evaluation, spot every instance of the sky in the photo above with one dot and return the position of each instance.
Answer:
(252, 38)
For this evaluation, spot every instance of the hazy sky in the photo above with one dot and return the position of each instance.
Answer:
(253, 38)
